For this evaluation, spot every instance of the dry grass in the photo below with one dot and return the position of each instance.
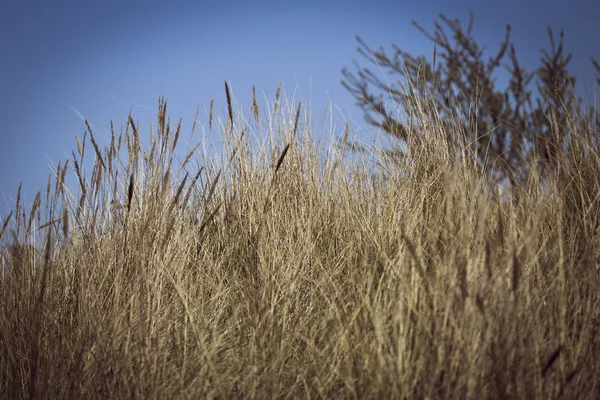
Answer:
(272, 273)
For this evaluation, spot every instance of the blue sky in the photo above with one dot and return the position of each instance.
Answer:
(105, 58)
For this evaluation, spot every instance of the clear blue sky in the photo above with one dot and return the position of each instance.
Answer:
(104, 58)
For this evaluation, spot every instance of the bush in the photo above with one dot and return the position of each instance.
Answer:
(509, 129)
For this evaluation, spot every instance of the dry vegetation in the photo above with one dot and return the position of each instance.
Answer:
(275, 273)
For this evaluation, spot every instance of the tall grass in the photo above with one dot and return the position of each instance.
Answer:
(270, 272)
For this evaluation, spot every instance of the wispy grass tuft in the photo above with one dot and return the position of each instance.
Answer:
(270, 272)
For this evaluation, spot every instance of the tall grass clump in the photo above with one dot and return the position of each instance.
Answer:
(266, 271)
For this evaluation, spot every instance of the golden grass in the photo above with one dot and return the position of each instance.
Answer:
(274, 273)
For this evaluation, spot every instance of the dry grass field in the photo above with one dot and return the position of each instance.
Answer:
(274, 271)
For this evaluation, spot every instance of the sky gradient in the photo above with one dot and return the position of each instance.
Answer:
(105, 58)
